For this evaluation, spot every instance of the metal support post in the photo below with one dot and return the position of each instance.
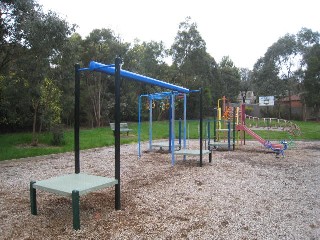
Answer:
(33, 198)
(76, 209)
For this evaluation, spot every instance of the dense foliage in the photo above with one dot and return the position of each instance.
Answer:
(39, 50)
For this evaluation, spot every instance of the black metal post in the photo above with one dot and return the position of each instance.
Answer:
(33, 198)
(200, 127)
(234, 129)
(243, 120)
(180, 125)
(215, 125)
(229, 135)
(118, 62)
(170, 124)
(209, 135)
(76, 209)
(76, 118)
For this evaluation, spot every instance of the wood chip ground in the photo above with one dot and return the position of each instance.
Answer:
(242, 194)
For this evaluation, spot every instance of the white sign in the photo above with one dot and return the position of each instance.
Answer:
(266, 101)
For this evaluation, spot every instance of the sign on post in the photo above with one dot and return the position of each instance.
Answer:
(266, 101)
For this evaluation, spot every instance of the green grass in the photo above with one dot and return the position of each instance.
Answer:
(17, 145)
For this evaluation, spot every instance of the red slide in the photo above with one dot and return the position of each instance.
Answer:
(277, 148)
(251, 133)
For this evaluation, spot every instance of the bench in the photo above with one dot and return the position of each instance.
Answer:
(123, 128)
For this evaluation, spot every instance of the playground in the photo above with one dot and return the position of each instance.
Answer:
(242, 194)
(177, 194)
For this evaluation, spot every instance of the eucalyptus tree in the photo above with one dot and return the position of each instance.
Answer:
(14, 98)
(229, 78)
(62, 72)
(280, 71)
(195, 67)
(102, 45)
(187, 52)
(146, 58)
(46, 33)
(245, 81)
(275, 73)
(38, 38)
(311, 81)
(309, 42)
(12, 19)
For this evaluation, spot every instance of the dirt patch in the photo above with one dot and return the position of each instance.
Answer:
(243, 194)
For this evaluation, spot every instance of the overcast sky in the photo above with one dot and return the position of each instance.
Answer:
(240, 29)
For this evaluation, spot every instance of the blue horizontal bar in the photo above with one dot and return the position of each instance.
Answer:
(83, 69)
(109, 69)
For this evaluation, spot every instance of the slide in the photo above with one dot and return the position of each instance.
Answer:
(277, 148)
(251, 133)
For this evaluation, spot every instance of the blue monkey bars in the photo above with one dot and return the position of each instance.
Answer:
(170, 97)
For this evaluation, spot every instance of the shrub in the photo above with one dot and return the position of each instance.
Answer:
(57, 135)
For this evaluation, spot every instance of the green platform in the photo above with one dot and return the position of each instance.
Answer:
(194, 152)
(71, 185)
(165, 145)
(65, 184)
(191, 152)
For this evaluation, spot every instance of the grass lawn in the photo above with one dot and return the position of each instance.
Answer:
(17, 145)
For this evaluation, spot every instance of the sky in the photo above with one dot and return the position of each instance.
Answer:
(240, 29)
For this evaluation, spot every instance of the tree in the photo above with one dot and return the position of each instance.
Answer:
(38, 38)
(229, 78)
(45, 36)
(14, 103)
(97, 88)
(187, 49)
(63, 74)
(195, 67)
(280, 71)
(311, 82)
(12, 19)
(245, 81)
(50, 102)
(146, 58)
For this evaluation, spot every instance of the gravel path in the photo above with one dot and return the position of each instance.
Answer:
(242, 194)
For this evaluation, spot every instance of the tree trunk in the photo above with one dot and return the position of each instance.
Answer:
(290, 108)
(34, 132)
(317, 111)
(304, 112)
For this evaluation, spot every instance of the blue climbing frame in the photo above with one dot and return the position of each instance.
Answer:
(160, 96)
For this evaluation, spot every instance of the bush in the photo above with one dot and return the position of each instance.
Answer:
(57, 135)
(249, 110)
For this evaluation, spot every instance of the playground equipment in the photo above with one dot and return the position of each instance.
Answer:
(277, 148)
(166, 100)
(78, 184)
(194, 152)
(221, 137)
(182, 150)
(224, 122)
(222, 126)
